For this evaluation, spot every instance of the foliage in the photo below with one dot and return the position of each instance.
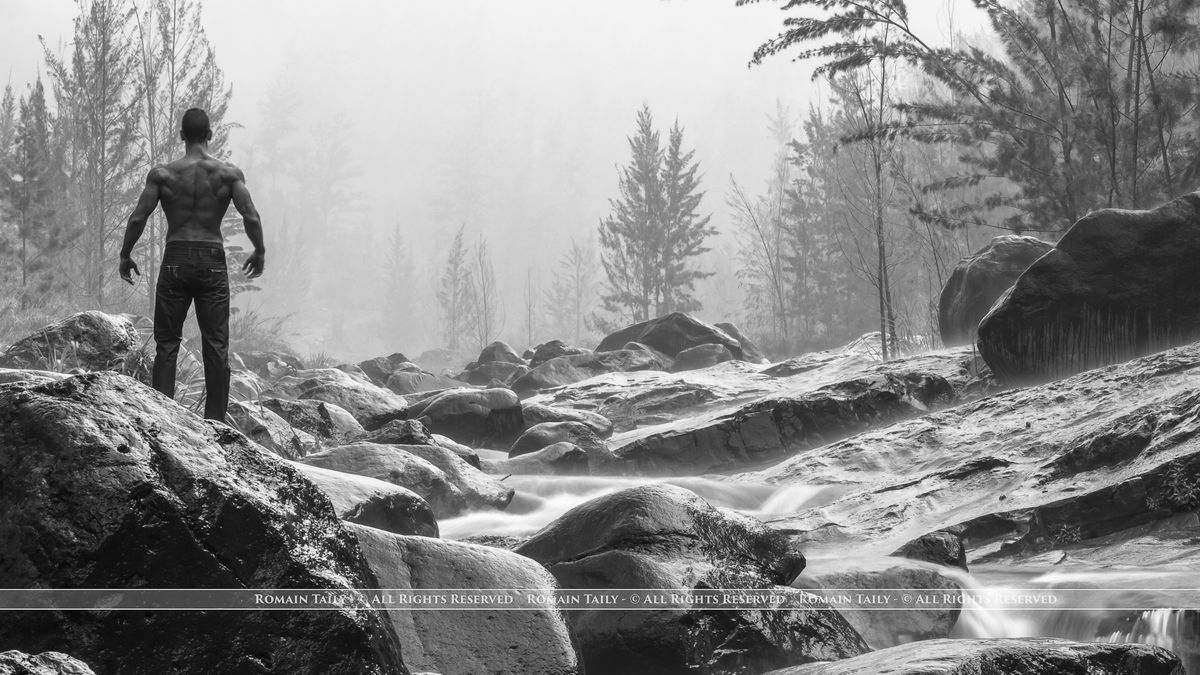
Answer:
(456, 293)
(572, 294)
(648, 241)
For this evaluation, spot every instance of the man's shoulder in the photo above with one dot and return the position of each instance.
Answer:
(229, 171)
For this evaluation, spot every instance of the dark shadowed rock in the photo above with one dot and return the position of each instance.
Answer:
(14, 662)
(450, 490)
(499, 352)
(1021, 656)
(671, 334)
(558, 459)
(882, 627)
(662, 536)
(552, 350)
(531, 641)
(750, 350)
(979, 280)
(476, 417)
(88, 340)
(380, 368)
(701, 356)
(372, 502)
(575, 368)
(1119, 284)
(268, 429)
(108, 484)
(325, 421)
(943, 547)
(536, 413)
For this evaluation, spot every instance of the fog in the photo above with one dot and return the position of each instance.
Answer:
(508, 118)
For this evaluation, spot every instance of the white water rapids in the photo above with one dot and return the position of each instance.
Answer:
(541, 499)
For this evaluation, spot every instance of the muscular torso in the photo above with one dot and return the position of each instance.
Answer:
(195, 192)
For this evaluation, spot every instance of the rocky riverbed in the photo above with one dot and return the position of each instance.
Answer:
(673, 458)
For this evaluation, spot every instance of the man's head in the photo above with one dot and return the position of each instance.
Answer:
(195, 127)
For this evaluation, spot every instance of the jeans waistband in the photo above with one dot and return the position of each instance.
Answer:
(193, 251)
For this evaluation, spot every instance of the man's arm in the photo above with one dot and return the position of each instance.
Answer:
(253, 266)
(137, 224)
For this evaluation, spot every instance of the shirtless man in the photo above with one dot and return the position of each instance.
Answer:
(195, 191)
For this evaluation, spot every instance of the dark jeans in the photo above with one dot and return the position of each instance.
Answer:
(193, 271)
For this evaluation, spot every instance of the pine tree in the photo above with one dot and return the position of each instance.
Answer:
(572, 294)
(456, 294)
(486, 316)
(653, 233)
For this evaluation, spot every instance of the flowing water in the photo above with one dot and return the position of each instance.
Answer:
(1099, 605)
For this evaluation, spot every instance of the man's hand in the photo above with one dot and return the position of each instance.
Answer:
(253, 267)
(127, 266)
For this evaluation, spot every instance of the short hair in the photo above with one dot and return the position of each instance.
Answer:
(195, 125)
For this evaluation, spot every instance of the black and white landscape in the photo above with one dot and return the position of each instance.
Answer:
(885, 359)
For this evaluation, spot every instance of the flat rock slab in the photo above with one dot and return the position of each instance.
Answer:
(1030, 656)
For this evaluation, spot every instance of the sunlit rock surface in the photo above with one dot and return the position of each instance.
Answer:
(104, 483)
(533, 641)
(14, 662)
(979, 280)
(87, 340)
(663, 536)
(263, 426)
(1119, 284)
(372, 406)
(1029, 656)
(325, 421)
(1083, 465)
(372, 502)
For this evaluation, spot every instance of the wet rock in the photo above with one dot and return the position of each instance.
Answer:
(1059, 467)
(575, 368)
(10, 375)
(701, 356)
(244, 385)
(1020, 656)
(1119, 284)
(87, 340)
(372, 406)
(536, 413)
(476, 417)
(548, 433)
(107, 484)
(415, 380)
(412, 432)
(662, 536)
(552, 350)
(667, 362)
(487, 372)
(531, 641)
(750, 350)
(263, 426)
(943, 547)
(449, 492)
(13, 662)
(672, 334)
(557, 459)
(374, 503)
(879, 626)
(380, 368)
(323, 420)
(271, 364)
(806, 412)
(500, 352)
(979, 280)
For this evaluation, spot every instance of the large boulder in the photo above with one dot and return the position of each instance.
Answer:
(414, 380)
(576, 433)
(499, 352)
(672, 334)
(268, 429)
(485, 373)
(1119, 284)
(536, 413)
(1024, 656)
(533, 640)
(574, 368)
(979, 280)
(372, 502)
(380, 368)
(322, 420)
(108, 484)
(701, 356)
(271, 364)
(371, 405)
(87, 340)
(750, 350)
(476, 417)
(440, 477)
(662, 536)
(558, 459)
(552, 350)
(13, 662)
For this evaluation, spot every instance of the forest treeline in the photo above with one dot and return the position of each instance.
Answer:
(916, 152)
